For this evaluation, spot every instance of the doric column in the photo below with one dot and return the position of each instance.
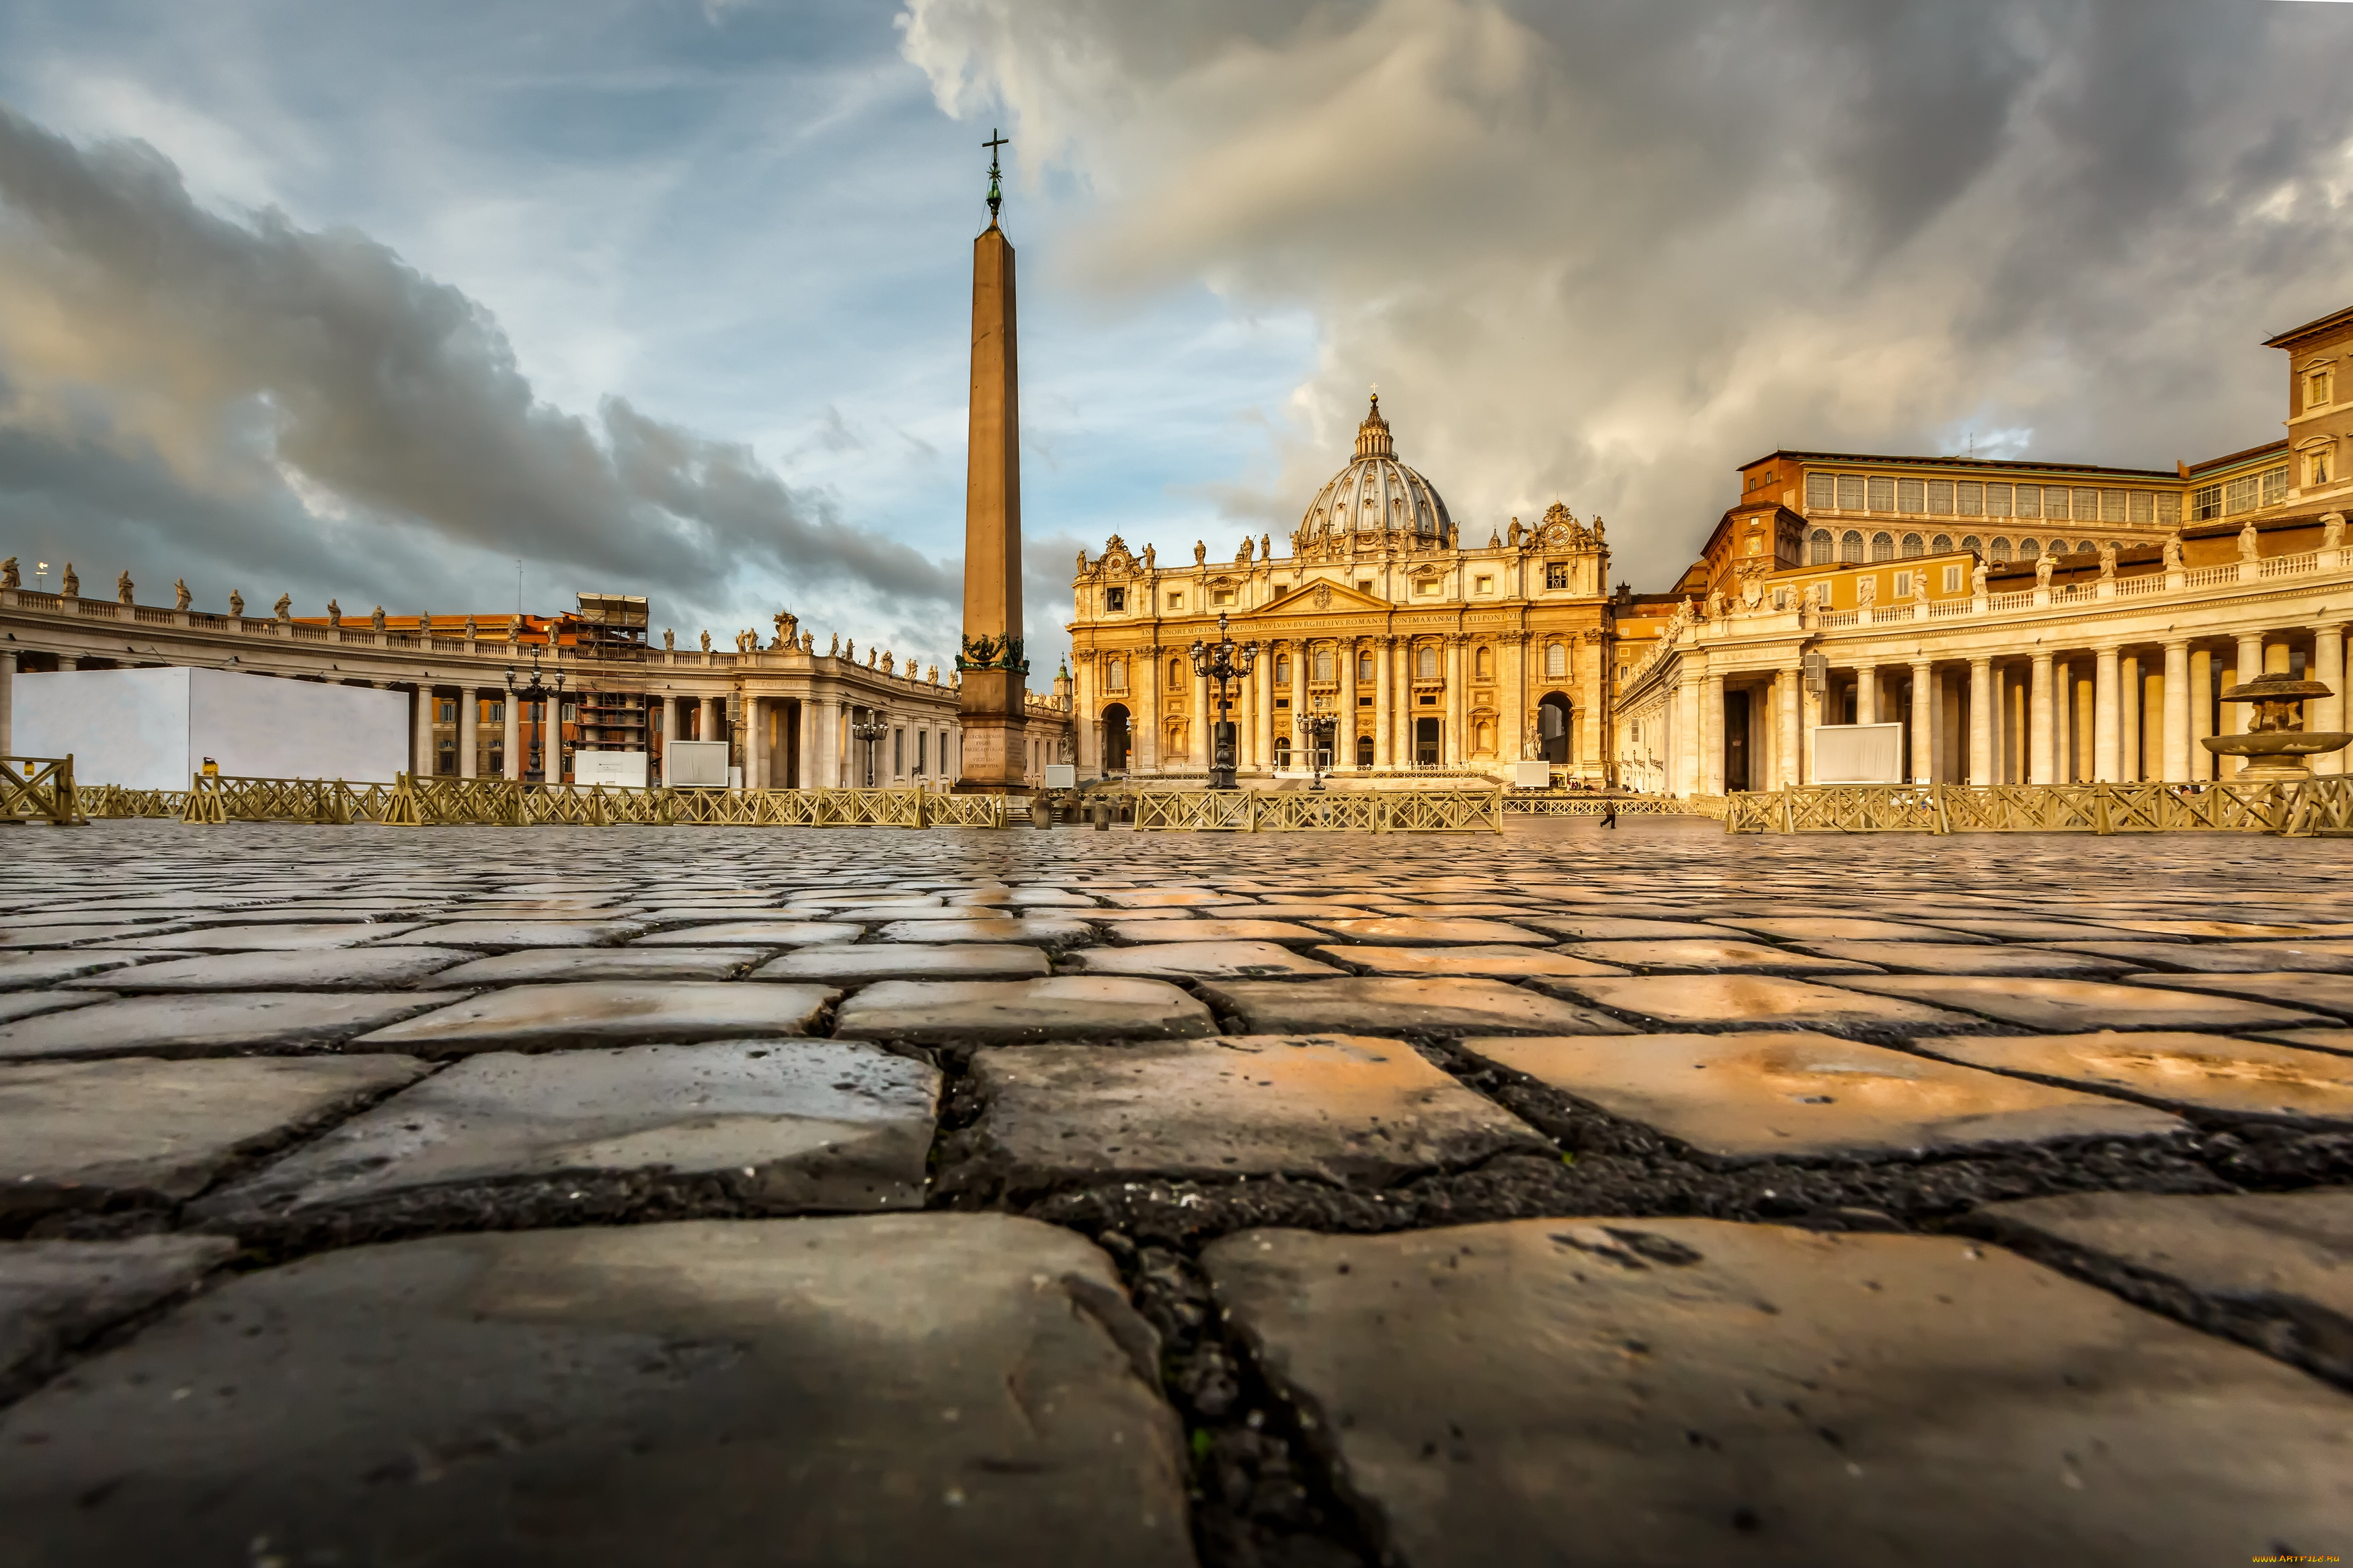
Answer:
(2326, 712)
(2236, 715)
(2175, 766)
(2041, 724)
(706, 727)
(470, 716)
(1146, 686)
(1786, 757)
(2107, 720)
(1262, 708)
(1205, 715)
(1866, 694)
(1924, 722)
(756, 743)
(1712, 733)
(1344, 738)
(2129, 736)
(7, 704)
(420, 737)
(1982, 704)
(1384, 702)
(1458, 708)
(1289, 720)
(511, 737)
(2201, 713)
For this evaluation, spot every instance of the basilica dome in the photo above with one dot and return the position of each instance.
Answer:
(1376, 495)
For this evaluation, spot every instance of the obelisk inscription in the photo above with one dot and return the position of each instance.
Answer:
(994, 673)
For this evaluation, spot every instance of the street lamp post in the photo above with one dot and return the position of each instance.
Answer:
(1316, 728)
(536, 690)
(1221, 661)
(869, 730)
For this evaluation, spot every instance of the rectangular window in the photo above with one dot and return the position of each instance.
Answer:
(1221, 595)
(1555, 573)
(1969, 497)
(2087, 506)
(2206, 504)
(1114, 600)
(2169, 508)
(495, 713)
(1556, 660)
(571, 711)
(1282, 669)
(2316, 467)
(1883, 493)
(1822, 493)
(2316, 389)
(1850, 492)
(2030, 501)
(1781, 599)
(445, 758)
(2141, 506)
(1486, 585)
(2276, 485)
(1911, 496)
(445, 712)
(1364, 586)
(1323, 663)
(1176, 601)
(1952, 579)
(1940, 497)
(2054, 502)
(1364, 666)
(2114, 506)
(1997, 500)
(1427, 586)
(1903, 585)
(2238, 495)
(1115, 675)
(1426, 662)
(923, 746)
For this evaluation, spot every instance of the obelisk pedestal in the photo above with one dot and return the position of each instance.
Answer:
(992, 672)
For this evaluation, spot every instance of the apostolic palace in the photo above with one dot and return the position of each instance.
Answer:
(2013, 621)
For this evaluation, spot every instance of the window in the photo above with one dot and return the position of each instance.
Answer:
(445, 712)
(1780, 600)
(2114, 505)
(1555, 573)
(1970, 541)
(898, 751)
(1221, 595)
(1556, 660)
(571, 711)
(2238, 495)
(2141, 505)
(2316, 389)
(1911, 496)
(1883, 493)
(445, 758)
(2276, 485)
(2027, 549)
(2087, 506)
(1820, 548)
(1997, 500)
(1969, 497)
(1912, 547)
(1282, 669)
(2030, 501)
(1428, 585)
(495, 713)
(1175, 675)
(2168, 509)
(1821, 494)
(1903, 585)
(1851, 548)
(2206, 504)
(1114, 600)
(1322, 666)
(2083, 547)
(2001, 551)
(2054, 503)
(1952, 579)
(1850, 492)
(1364, 666)
(1426, 662)
(1115, 675)
(1940, 497)
(1176, 601)
(1883, 547)
(1364, 750)
(2316, 467)
(923, 747)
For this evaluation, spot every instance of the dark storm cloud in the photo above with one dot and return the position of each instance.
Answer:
(250, 392)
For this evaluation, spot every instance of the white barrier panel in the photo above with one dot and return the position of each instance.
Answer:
(696, 764)
(1859, 753)
(1061, 775)
(1531, 775)
(150, 729)
(624, 769)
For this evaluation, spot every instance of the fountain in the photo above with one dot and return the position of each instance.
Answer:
(2276, 742)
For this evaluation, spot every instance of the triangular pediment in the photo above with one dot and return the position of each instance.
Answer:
(1319, 597)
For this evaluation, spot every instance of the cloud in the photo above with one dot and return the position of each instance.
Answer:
(178, 385)
(1607, 251)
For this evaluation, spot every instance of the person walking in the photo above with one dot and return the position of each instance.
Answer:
(1610, 812)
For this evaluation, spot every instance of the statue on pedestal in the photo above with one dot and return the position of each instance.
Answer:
(1200, 552)
(375, 618)
(706, 642)
(236, 604)
(2172, 548)
(2248, 550)
(9, 576)
(285, 606)
(669, 640)
(71, 586)
(181, 597)
(2108, 560)
(2043, 567)
(122, 589)
(808, 644)
(334, 613)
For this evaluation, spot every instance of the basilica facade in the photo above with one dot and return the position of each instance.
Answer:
(1429, 654)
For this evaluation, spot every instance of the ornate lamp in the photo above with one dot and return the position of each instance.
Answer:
(1222, 661)
(871, 730)
(536, 690)
(1315, 728)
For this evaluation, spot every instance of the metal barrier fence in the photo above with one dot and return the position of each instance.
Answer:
(1316, 811)
(2318, 807)
(39, 789)
(409, 802)
(1583, 803)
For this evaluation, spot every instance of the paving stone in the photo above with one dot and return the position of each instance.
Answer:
(907, 961)
(1204, 960)
(755, 933)
(2284, 1260)
(500, 934)
(1809, 1097)
(56, 934)
(809, 1125)
(2316, 993)
(1009, 1011)
(1813, 930)
(211, 1024)
(1298, 909)
(1372, 1005)
(1213, 930)
(2225, 957)
(1613, 928)
(16, 1004)
(278, 937)
(1713, 955)
(2244, 929)
(2077, 1005)
(2339, 1040)
(1408, 930)
(2014, 929)
(891, 1388)
(30, 969)
(79, 1133)
(608, 1013)
(56, 1294)
(1939, 958)
(1147, 898)
(543, 964)
(1678, 1391)
(1497, 962)
(289, 969)
(1714, 1002)
(2193, 1071)
(1041, 932)
(1345, 1109)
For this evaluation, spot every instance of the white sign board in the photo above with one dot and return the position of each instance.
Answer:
(696, 764)
(626, 770)
(1061, 775)
(1537, 774)
(150, 729)
(1859, 753)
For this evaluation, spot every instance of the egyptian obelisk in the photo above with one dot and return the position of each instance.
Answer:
(993, 672)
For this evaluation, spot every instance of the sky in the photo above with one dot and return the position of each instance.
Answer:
(437, 304)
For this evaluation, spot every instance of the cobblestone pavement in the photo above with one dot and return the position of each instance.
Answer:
(642, 1196)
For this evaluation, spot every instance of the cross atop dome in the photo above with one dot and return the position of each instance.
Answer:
(1372, 435)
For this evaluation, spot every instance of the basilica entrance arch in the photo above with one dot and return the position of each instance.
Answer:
(1553, 714)
(1115, 741)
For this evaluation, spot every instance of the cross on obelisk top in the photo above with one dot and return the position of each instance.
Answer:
(996, 191)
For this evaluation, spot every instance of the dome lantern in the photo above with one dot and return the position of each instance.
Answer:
(1375, 498)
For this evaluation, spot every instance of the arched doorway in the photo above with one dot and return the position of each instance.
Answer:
(1552, 727)
(1114, 738)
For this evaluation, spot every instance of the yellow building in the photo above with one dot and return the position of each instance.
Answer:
(1432, 655)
